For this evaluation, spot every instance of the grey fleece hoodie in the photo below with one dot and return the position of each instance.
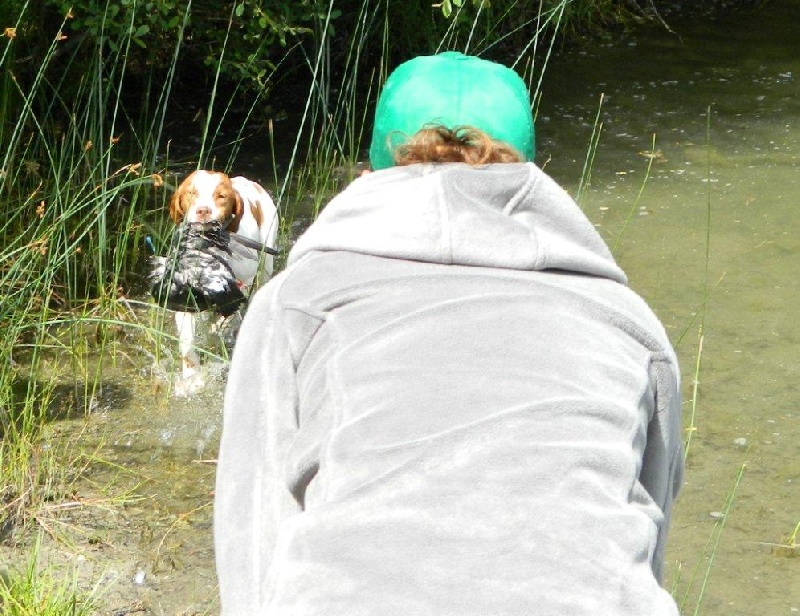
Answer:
(449, 403)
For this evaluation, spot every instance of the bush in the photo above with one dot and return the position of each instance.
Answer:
(252, 33)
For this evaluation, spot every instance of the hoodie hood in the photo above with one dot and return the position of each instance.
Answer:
(510, 216)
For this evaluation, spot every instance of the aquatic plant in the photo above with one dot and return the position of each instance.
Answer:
(35, 591)
(690, 598)
(707, 288)
(591, 153)
(73, 218)
(788, 546)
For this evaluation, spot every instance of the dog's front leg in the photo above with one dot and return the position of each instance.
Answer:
(190, 361)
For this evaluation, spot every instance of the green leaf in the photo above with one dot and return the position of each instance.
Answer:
(141, 31)
(447, 8)
(239, 11)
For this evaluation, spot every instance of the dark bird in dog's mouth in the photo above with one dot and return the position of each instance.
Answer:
(197, 274)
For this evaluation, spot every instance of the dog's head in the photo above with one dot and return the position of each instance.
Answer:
(205, 196)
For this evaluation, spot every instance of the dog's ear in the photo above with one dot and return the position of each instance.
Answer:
(238, 210)
(236, 213)
(179, 203)
(176, 208)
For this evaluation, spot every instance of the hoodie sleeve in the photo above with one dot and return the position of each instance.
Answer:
(662, 466)
(259, 424)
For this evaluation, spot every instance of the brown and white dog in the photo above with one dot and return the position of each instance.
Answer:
(248, 210)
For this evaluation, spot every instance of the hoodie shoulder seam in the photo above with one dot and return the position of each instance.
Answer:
(534, 176)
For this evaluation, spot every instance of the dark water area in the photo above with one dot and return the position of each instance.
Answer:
(694, 183)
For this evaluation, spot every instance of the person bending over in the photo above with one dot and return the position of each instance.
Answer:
(450, 402)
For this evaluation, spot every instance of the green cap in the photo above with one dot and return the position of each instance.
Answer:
(453, 90)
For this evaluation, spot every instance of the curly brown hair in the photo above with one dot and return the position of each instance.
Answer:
(462, 144)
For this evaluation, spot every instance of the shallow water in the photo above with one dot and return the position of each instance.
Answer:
(722, 103)
(723, 107)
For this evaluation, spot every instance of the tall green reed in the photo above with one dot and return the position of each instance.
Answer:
(336, 117)
(689, 593)
(75, 190)
(591, 153)
(707, 288)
